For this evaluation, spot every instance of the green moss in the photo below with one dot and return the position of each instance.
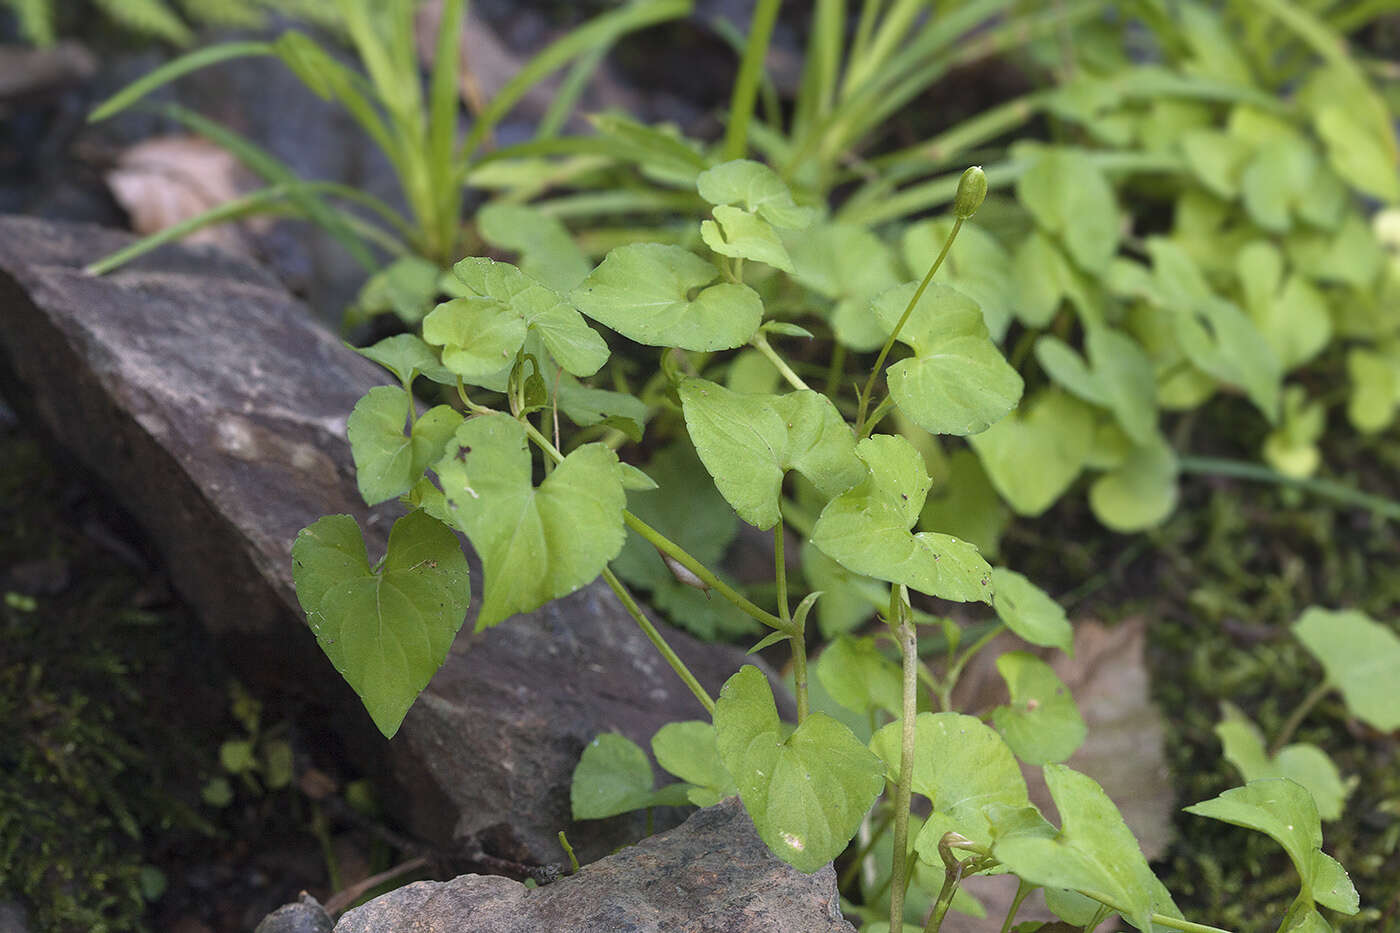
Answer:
(88, 769)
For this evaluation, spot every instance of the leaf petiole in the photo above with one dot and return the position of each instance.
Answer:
(862, 428)
(760, 343)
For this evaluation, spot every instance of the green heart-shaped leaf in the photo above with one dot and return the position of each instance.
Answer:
(1069, 196)
(408, 356)
(1375, 388)
(388, 462)
(806, 793)
(565, 334)
(749, 442)
(866, 529)
(1029, 612)
(1094, 852)
(1140, 492)
(613, 776)
(757, 188)
(1121, 377)
(1361, 658)
(536, 544)
(688, 750)
(977, 266)
(386, 630)
(965, 770)
(849, 265)
(661, 296)
(967, 506)
(1292, 315)
(1034, 455)
(1284, 811)
(957, 381)
(1243, 746)
(547, 251)
(736, 232)
(1042, 723)
(859, 677)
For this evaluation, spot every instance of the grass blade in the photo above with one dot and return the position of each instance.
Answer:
(176, 69)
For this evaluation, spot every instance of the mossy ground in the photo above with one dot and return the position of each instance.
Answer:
(1221, 583)
(113, 708)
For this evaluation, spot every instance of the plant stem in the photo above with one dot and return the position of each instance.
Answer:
(799, 635)
(1328, 489)
(1171, 923)
(899, 874)
(736, 136)
(760, 343)
(951, 878)
(950, 679)
(679, 555)
(1300, 712)
(864, 402)
(877, 415)
(659, 642)
(1023, 891)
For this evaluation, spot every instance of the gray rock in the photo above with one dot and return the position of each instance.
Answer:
(13, 918)
(711, 875)
(212, 407)
(305, 916)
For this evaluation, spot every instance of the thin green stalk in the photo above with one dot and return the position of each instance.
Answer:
(1171, 923)
(877, 415)
(951, 879)
(799, 636)
(1328, 489)
(677, 553)
(760, 343)
(899, 874)
(736, 135)
(1300, 713)
(658, 641)
(864, 401)
(950, 679)
(1023, 890)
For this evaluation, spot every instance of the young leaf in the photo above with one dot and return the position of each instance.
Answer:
(644, 292)
(1069, 196)
(736, 232)
(613, 776)
(547, 251)
(758, 189)
(568, 338)
(386, 631)
(1293, 317)
(1121, 378)
(749, 442)
(1284, 811)
(1291, 448)
(1094, 852)
(1033, 456)
(1361, 658)
(1303, 762)
(388, 462)
(806, 793)
(407, 356)
(957, 381)
(1140, 492)
(1375, 389)
(866, 529)
(859, 677)
(1029, 612)
(1042, 724)
(477, 340)
(965, 770)
(1042, 275)
(688, 750)
(528, 538)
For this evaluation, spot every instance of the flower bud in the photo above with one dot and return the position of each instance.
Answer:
(972, 191)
